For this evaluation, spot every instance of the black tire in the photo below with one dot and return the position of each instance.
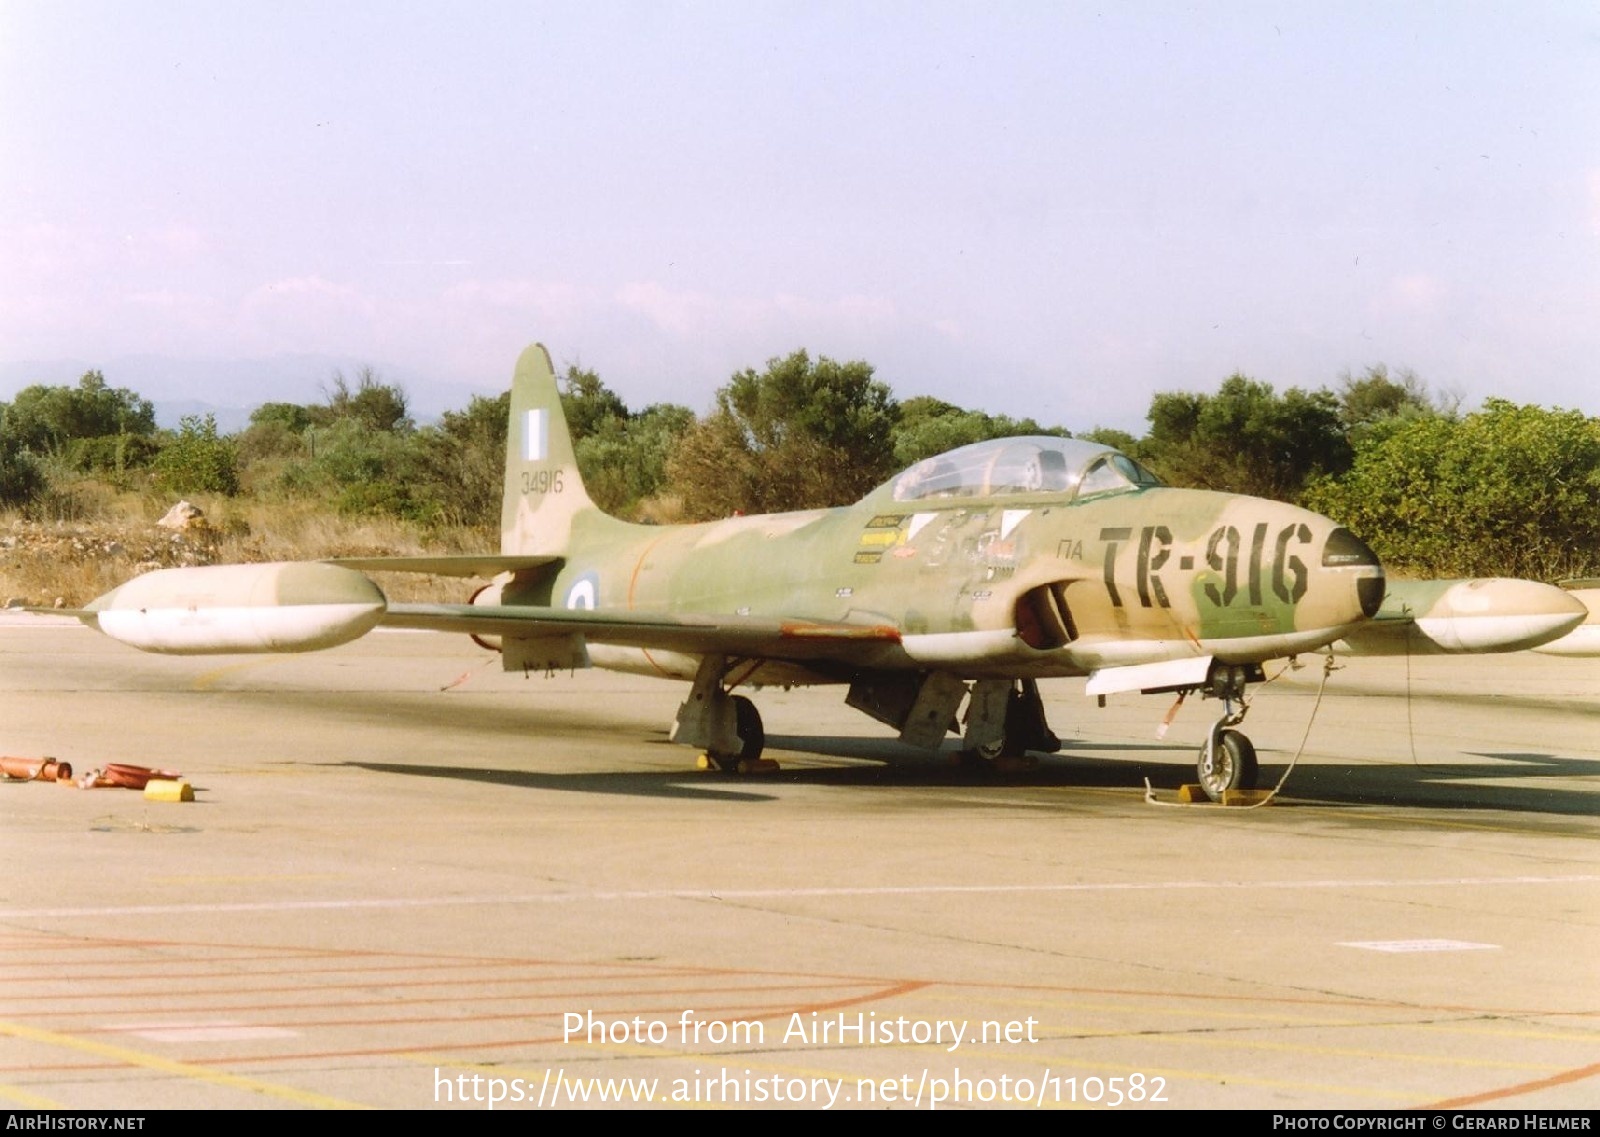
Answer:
(1232, 766)
(752, 736)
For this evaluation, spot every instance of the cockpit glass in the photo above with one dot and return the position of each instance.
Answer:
(1115, 472)
(1036, 464)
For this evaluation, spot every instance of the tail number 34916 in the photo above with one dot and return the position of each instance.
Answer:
(541, 481)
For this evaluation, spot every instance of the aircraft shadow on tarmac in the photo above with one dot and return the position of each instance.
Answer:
(1475, 786)
(869, 761)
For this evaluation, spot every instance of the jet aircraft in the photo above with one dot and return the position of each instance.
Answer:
(964, 580)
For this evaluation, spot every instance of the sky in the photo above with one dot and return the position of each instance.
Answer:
(1044, 209)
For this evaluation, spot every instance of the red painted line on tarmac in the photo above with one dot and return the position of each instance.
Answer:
(190, 974)
(165, 1007)
(1563, 1079)
(714, 1013)
(293, 988)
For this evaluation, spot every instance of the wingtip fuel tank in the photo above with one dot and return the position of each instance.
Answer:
(212, 609)
(1495, 614)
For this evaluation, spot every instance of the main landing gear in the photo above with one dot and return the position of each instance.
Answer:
(1005, 720)
(752, 740)
(725, 726)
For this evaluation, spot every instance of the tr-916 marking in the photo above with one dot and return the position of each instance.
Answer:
(1286, 570)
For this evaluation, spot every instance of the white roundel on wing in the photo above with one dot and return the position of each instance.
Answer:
(582, 593)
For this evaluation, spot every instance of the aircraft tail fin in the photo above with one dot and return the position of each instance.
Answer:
(544, 492)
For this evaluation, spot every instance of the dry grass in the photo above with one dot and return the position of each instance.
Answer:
(92, 537)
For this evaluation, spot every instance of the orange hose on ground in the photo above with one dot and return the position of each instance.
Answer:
(133, 777)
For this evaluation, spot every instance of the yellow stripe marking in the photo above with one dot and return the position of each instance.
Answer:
(255, 879)
(170, 1066)
(208, 679)
(27, 1100)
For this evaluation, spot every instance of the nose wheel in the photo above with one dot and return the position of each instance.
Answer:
(1228, 759)
(1227, 762)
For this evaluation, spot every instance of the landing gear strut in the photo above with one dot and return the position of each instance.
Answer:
(1228, 758)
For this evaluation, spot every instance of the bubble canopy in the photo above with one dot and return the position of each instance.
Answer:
(1036, 464)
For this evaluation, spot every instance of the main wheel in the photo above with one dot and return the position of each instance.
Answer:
(752, 738)
(990, 751)
(1230, 765)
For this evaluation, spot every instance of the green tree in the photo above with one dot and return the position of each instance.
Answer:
(624, 462)
(276, 431)
(461, 464)
(1507, 491)
(929, 426)
(590, 406)
(21, 479)
(1374, 403)
(374, 404)
(197, 460)
(798, 435)
(44, 419)
(1246, 438)
(622, 454)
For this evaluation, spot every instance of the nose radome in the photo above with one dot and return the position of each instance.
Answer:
(1345, 550)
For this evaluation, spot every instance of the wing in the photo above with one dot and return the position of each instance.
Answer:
(473, 564)
(780, 639)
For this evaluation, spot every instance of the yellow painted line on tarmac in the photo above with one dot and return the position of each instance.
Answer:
(188, 1070)
(255, 879)
(26, 1100)
(208, 679)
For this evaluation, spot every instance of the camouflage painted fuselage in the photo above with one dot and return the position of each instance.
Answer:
(1015, 584)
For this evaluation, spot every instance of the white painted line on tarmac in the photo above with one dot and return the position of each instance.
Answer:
(1420, 945)
(634, 895)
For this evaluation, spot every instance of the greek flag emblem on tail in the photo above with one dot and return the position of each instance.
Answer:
(536, 436)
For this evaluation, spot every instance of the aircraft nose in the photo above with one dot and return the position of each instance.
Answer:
(1346, 551)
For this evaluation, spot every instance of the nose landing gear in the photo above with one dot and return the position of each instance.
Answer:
(1228, 758)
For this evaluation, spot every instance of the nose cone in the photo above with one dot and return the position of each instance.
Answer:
(1345, 550)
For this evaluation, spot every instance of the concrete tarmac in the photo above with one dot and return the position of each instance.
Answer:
(410, 880)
